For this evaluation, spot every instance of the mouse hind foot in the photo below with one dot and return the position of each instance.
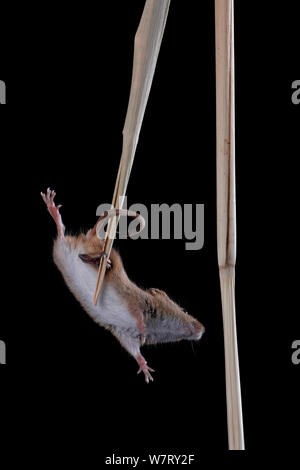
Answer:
(132, 345)
(144, 368)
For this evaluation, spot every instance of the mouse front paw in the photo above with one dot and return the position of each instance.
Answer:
(53, 210)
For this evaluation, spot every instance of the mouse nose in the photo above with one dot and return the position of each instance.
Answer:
(198, 329)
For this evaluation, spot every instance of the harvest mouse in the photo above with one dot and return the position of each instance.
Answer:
(135, 316)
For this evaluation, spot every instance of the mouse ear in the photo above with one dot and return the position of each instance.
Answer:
(154, 291)
(90, 259)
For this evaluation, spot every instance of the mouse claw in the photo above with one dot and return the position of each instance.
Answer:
(108, 260)
(108, 264)
(148, 376)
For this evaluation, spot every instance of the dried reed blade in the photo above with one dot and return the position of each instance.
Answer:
(226, 212)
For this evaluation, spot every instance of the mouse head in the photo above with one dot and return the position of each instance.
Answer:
(181, 325)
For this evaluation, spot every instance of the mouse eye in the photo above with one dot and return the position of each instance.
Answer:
(184, 311)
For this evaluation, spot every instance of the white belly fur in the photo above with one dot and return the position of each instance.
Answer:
(81, 280)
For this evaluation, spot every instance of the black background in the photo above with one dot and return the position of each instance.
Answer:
(68, 73)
